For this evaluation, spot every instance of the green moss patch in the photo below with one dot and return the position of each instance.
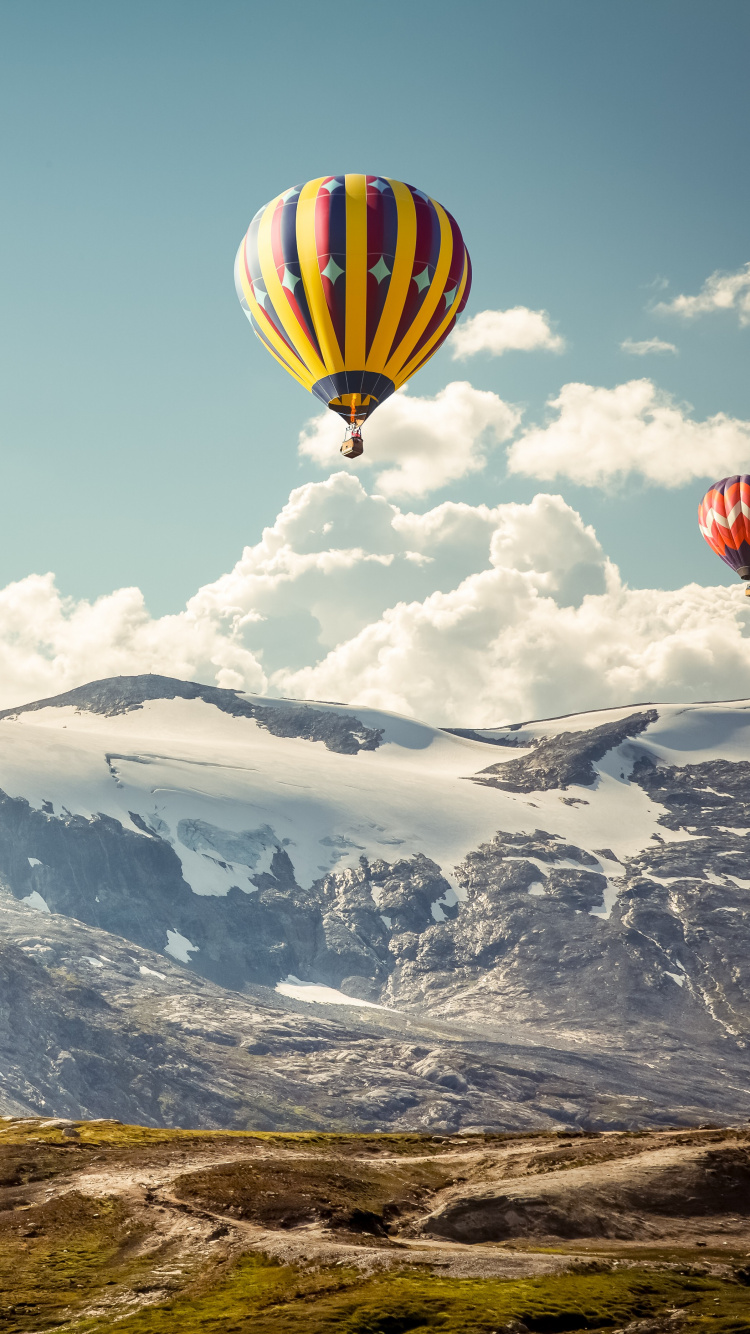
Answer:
(260, 1297)
(113, 1134)
(59, 1257)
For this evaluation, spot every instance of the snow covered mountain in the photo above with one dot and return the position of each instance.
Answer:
(580, 883)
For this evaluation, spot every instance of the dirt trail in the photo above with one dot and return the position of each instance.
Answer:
(148, 1187)
(545, 1190)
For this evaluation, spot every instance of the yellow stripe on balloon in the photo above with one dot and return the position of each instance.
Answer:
(307, 382)
(434, 295)
(278, 346)
(403, 265)
(277, 296)
(424, 353)
(307, 253)
(356, 271)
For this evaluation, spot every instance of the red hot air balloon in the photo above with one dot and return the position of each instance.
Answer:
(724, 519)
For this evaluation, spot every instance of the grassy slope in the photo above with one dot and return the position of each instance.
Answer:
(83, 1263)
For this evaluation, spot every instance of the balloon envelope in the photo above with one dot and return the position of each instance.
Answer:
(724, 519)
(352, 283)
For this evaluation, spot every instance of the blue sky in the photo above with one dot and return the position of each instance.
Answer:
(591, 150)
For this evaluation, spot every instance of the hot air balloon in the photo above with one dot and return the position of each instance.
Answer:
(724, 519)
(352, 283)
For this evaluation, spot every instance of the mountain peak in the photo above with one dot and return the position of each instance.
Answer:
(113, 695)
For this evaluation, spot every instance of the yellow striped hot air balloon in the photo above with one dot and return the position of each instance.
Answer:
(352, 283)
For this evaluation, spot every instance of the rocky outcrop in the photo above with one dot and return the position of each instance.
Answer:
(565, 759)
(111, 877)
(92, 1026)
(99, 872)
(707, 798)
(534, 945)
(545, 933)
(283, 718)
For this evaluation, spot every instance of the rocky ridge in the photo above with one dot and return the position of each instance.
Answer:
(93, 1026)
(285, 718)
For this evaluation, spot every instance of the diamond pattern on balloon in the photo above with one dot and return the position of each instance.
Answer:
(332, 270)
(380, 270)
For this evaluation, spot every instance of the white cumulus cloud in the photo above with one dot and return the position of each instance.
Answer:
(646, 346)
(544, 627)
(498, 648)
(420, 444)
(721, 291)
(50, 643)
(465, 615)
(497, 331)
(598, 437)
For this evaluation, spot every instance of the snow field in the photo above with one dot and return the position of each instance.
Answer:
(227, 794)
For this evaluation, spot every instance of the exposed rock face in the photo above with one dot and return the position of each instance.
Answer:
(526, 944)
(504, 934)
(535, 950)
(120, 694)
(92, 1026)
(697, 796)
(690, 897)
(110, 877)
(565, 759)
